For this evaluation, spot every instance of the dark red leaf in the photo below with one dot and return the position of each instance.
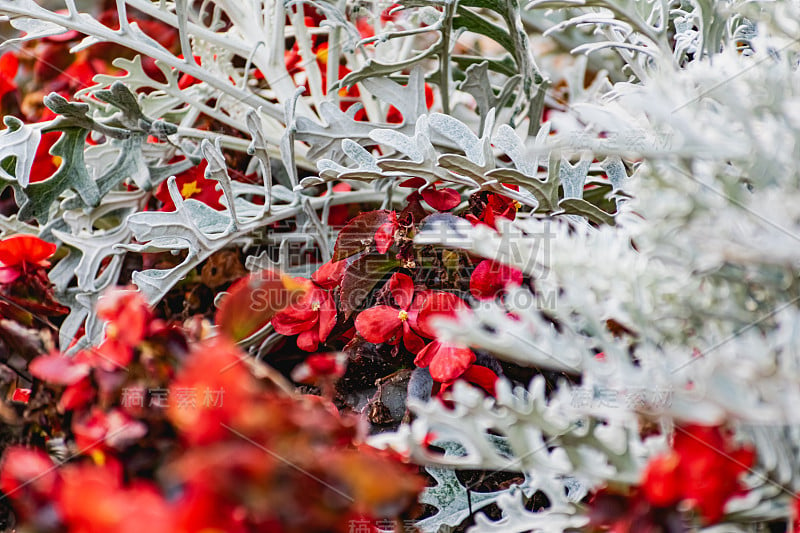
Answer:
(361, 277)
(359, 234)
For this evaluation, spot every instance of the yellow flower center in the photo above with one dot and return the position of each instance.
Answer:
(322, 55)
(190, 189)
(315, 306)
(517, 205)
(403, 316)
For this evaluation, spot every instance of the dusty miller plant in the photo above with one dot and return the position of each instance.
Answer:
(689, 108)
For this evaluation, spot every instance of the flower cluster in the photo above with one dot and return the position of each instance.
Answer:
(347, 304)
(263, 459)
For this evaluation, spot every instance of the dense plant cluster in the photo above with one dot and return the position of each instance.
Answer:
(418, 266)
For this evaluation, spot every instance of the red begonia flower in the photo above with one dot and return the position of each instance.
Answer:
(385, 323)
(129, 320)
(703, 468)
(192, 184)
(21, 252)
(320, 366)
(213, 389)
(446, 361)
(439, 199)
(127, 313)
(312, 319)
(497, 206)
(490, 278)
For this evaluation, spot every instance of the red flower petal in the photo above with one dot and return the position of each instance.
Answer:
(58, 369)
(446, 361)
(384, 237)
(402, 288)
(76, 396)
(327, 317)
(27, 470)
(413, 183)
(330, 274)
(660, 484)
(44, 163)
(308, 341)
(300, 316)
(491, 277)
(380, 324)
(441, 199)
(9, 274)
(320, 365)
(21, 395)
(411, 340)
(19, 249)
(476, 375)
(438, 303)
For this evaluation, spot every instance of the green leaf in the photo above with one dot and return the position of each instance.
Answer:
(359, 234)
(494, 5)
(576, 206)
(477, 24)
(71, 174)
(505, 66)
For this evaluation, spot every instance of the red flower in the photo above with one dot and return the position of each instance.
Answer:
(477, 375)
(384, 236)
(312, 318)
(9, 64)
(103, 431)
(29, 478)
(22, 252)
(439, 199)
(192, 184)
(45, 164)
(494, 207)
(129, 320)
(703, 468)
(384, 323)
(93, 500)
(490, 278)
(446, 361)
(214, 387)
(320, 366)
